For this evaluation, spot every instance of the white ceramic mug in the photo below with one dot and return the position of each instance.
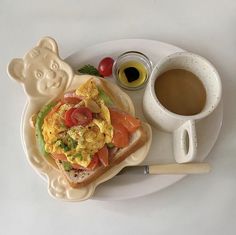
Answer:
(182, 127)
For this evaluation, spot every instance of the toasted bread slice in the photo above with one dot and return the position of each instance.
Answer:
(77, 178)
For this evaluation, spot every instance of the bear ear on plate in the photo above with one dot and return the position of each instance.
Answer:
(48, 43)
(15, 69)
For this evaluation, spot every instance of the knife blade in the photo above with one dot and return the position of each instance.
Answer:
(167, 169)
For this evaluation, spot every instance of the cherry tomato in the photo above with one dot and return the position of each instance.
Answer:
(93, 164)
(128, 121)
(78, 116)
(105, 66)
(68, 120)
(120, 135)
(103, 155)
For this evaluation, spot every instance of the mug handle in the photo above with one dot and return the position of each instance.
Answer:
(185, 142)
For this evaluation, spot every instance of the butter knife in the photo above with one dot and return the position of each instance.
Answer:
(168, 169)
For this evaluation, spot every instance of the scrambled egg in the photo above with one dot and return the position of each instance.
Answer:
(88, 90)
(78, 143)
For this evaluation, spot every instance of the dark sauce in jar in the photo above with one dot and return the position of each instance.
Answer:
(132, 74)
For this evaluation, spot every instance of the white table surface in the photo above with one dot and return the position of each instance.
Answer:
(203, 204)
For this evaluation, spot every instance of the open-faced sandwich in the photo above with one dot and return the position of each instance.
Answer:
(87, 133)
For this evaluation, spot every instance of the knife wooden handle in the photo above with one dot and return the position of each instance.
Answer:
(187, 168)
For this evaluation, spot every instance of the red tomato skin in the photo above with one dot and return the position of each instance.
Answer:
(68, 121)
(103, 155)
(82, 116)
(78, 116)
(105, 66)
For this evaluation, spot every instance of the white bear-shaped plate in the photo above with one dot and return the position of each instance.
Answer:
(45, 76)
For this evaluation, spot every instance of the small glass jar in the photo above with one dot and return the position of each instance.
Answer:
(132, 70)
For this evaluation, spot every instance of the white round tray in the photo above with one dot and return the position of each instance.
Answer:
(133, 185)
